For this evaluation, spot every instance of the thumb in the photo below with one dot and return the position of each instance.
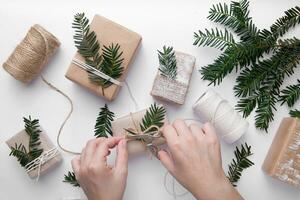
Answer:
(166, 160)
(122, 157)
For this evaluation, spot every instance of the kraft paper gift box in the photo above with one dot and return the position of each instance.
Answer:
(107, 32)
(283, 159)
(175, 90)
(119, 125)
(46, 145)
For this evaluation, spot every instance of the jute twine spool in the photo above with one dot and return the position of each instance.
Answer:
(228, 123)
(31, 55)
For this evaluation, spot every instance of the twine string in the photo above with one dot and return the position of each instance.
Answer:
(40, 161)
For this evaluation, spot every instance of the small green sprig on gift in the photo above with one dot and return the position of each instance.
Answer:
(19, 150)
(154, 116)
(71, 179)
(167, 62)
(109, 62)
(240, 163)
(259, 82)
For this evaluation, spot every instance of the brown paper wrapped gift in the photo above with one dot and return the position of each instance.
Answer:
(107, 32)
(283, 159)
(175, 90)
(46, 144)
(127, 122)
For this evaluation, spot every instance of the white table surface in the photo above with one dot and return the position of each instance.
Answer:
(159, 22)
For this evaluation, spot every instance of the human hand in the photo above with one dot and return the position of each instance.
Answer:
(99, 180)
(195, 161)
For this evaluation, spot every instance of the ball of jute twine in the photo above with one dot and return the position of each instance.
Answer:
(31, 55)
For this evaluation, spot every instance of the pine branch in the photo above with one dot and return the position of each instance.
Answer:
(19, 151)
(240, 163)
(110, 62)
(214, 38)
(71, 179)
(103, 122)
(155, 115)
(290, 94)
(167, 62)
(289, 20)
(295, 113)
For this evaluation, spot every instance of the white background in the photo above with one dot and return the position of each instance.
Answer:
(159, 22)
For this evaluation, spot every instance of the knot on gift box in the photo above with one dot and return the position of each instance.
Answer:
(146, 136)
(39, 161)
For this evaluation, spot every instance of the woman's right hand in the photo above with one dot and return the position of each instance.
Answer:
(195, 161)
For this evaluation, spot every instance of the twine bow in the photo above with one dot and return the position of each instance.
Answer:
(146, 136)
(39, 161)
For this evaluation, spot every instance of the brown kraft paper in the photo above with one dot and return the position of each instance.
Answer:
(108, 32)
(46, 144)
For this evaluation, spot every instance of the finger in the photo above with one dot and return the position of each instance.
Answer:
(76, 164)
(82, 153)
(102, 149)
(209, 130)
(170, 134)
(122, 157)
(166, 160)
(181, 127)
(196, 131)
(90, 148)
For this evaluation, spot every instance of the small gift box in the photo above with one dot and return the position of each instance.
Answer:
(123, 125)
(107, 32)
(51, 155)
(283, 159)
(174, 89)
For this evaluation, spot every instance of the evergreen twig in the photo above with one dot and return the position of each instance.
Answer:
(167, 62)
(259, 81)
(103, 122)
(290, 94)
(34, 151)
(155, 115)
(239, 163)
(295, 113)
(71, 179)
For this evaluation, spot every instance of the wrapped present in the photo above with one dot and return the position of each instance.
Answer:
(107, 32)
(132, 122)
(283, 159)
(51, 155)
(175, 89)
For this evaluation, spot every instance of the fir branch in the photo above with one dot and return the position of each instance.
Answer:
(240, 163)
(71, 179)
(155, 115)
(295, 113)
(103, 122)
(290, 94)
(289, 20)
(214, 38)
(167, 62)
(110, 62)
(19, 151)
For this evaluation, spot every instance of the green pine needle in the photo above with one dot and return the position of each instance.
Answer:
(295, 113)
(290, 94)
(71, 179)
(155, 115)
(239, 163)
(103, 122)
(19, 150)
(110, 62)
(259, 82)
(214, 38)
(167, 62)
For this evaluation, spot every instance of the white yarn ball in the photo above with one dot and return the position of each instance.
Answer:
(229, 124)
